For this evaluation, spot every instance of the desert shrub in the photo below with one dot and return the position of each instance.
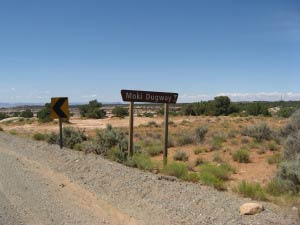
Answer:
(289, 171)
(117, 155)
(148, 114)
(277, 187)
(254, 144)
(245, 140)
(232, 133)
(1, 129)
(222, 172)
(27, 113)
(176, 169)
(286, 112)
(44, 115)
(78, 147)
(292, 147)
(39, 137)
(154, 150)
(211, 180)
(152, 124)
(143, 162)
(200, 134)
(192, 177)
(241, 156)
(217, 157)
(120, 112)
(217, 141)
(171, 142)
(71, 137)
(274, 159)
(105, 140)
(13, 132)
(180, 156)
(273, 146)
(184, 139)
(197, 151)
(259, 132)
(3, 116)
(92, 110)
(292, 126)
(234, 142)
(251, 190)
(199, 161)
(261, 151)
(257, 108)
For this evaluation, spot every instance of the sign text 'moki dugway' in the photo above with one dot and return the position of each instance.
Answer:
(148, 96)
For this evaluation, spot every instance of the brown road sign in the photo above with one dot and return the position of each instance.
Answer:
(149, 96)
(59, 108)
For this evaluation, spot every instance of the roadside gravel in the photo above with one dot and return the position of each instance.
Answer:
(141, 195)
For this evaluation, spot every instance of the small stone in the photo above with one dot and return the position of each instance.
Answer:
(251, 209)
(295, 209)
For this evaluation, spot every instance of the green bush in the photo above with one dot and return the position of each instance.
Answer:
(1, 129)
(211, 180)
(241, 156)
(275, 158)
(120, 112)
(200, 133)
(217, 141)
(259, 132)
(92, 110)
(39, 137)
(286, 112)
(222, 172)
(71, 137)
(176, 169)
(3, 116)
(27, 113)
(117, 155)
(192, 177)
(199, 161)
(279, 187)
(197, 151)
(251, 190)
(257, 108)
(180, 156)
(105, 140)
(44, 115)
(143, 162)
(13, 132)
(154, 150)
(273, 146)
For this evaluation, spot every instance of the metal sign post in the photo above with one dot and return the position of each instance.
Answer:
(166, 134)
(130, 143)
(60, 110)
(153, 97)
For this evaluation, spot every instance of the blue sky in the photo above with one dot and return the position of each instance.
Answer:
(87, 49)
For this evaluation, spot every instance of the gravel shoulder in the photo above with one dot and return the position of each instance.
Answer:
(41, 184)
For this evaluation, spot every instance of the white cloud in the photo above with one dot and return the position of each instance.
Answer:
(89, 96)
(260, 96)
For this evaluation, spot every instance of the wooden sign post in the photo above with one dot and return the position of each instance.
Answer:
(152, 97)
(60, 110)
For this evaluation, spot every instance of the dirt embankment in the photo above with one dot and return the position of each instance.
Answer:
(43, 184)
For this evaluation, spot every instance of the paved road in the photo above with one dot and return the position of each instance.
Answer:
(31, 193)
